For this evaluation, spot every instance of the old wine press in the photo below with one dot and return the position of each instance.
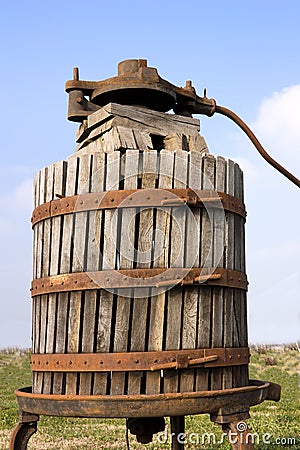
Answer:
(139, 285)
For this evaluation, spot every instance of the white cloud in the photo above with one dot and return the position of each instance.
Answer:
(278, 126)
(23, 194)
(19, 197)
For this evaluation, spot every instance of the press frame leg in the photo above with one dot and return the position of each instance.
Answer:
(23, 431)
(177, 429)
(239, 434)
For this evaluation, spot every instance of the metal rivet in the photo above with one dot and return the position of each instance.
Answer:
(101, 362)
(68, 205)
(70, 362)
(84, 362)
(239, 356)
(137, 361)
(148, 197)
(230, 356)
(156, 360)
(47, 362)
(112, 200)
(57, 362)
(173, 359)
(119, 361)
(81, 202)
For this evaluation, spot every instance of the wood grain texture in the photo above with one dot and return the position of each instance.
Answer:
(177, 256)
(143, 259)
(192, 259)
(107, 317)
(160, 259)
(126, 260)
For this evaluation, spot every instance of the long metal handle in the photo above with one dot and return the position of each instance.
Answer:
(231, 115)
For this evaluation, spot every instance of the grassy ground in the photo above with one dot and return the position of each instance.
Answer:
(269, 420)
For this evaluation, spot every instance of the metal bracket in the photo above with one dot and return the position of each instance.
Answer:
(135, 84)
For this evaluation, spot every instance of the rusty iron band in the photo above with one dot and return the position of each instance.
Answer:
(138, 278)
(140, 361)
(138, 198)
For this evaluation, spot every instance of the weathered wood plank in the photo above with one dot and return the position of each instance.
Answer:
(36, 300)
(206, 259)
(192, 259)
(47, 236)
(78, 264)
(229, 264)
(160, 259)
(177, 253)
(65, 302)
(218, 261)
(144, 259)
(40, 319)
(106, 319)
(91, 262)
(126, 260)
(237, 303)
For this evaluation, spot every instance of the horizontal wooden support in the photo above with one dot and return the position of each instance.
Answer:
(152, 198)
(140, 361)
(138, 278)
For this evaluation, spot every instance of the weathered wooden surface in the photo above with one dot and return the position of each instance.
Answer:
(181, 318)
(116, 127)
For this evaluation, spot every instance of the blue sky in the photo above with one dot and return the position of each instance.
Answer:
(246, 53)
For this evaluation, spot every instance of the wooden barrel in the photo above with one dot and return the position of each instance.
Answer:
(82, 313)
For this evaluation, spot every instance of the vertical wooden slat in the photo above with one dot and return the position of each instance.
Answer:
(218, 261)
(40, 319)
(192, 259)
(95, 168)
(229, 264)
(242, 295)
(127, 236)
(35, 300)
(55, 243)
(65, 312)
(94, 260)
(144, 259)
(106, 320)
(160, 259)
(205, 293)
(78, 264)
(237, 298)
(175, 295)
(47, 233)
(90, 263)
